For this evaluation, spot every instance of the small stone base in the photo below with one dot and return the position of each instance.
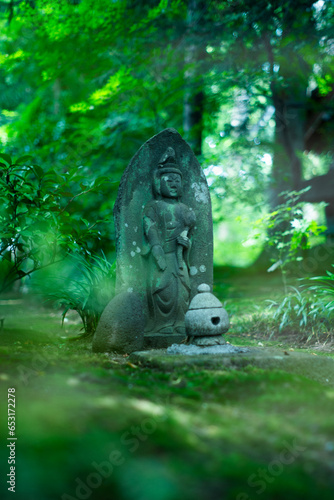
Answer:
(162, 340)
(209, 340)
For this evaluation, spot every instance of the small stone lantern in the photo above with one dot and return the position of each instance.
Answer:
(206, 319)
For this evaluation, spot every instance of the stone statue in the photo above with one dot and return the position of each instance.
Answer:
(168, 228)
(164, 244)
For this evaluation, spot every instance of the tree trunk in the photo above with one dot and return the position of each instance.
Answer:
(194, 95)
(289, 141)
(287, 166)
(290, 115)
(294, 128)
(193, 119)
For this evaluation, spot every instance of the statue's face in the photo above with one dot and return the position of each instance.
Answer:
(171, 185)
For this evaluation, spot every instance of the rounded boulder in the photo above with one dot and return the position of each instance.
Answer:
(121, 326)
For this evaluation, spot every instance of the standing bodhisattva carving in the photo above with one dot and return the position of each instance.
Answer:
(164, 246)
(168, 226)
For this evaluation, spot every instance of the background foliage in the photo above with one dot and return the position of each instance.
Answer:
(84, 83)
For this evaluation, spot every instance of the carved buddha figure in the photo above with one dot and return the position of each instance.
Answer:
(168, 225)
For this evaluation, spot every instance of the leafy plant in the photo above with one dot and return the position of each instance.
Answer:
(293, 309)
(288, 231)
(87, 289)
(38, 225)
(300, 309)
(324, 289)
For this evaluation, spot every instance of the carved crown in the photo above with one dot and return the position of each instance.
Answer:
(167, 163)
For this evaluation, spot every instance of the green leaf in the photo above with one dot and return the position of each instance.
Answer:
(101, 180)
(38, 171)
(6, 157)
(23, 159)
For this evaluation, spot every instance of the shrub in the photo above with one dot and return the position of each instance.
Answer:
(87, 289)
(38, 225)
(309, 308)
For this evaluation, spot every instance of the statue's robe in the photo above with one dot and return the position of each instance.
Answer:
(168, 291)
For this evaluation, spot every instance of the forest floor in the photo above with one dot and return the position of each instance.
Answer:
(100, 426)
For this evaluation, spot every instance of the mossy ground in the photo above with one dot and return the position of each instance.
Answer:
(193, 433)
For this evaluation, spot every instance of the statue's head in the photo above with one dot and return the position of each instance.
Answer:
(170, 185)
(168, 178)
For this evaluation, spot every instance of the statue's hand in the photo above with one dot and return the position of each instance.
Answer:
(184, 241)
(159, 256)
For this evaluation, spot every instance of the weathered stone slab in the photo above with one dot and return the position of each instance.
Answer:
(164, 238)
(136, 190)
(319, 368)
